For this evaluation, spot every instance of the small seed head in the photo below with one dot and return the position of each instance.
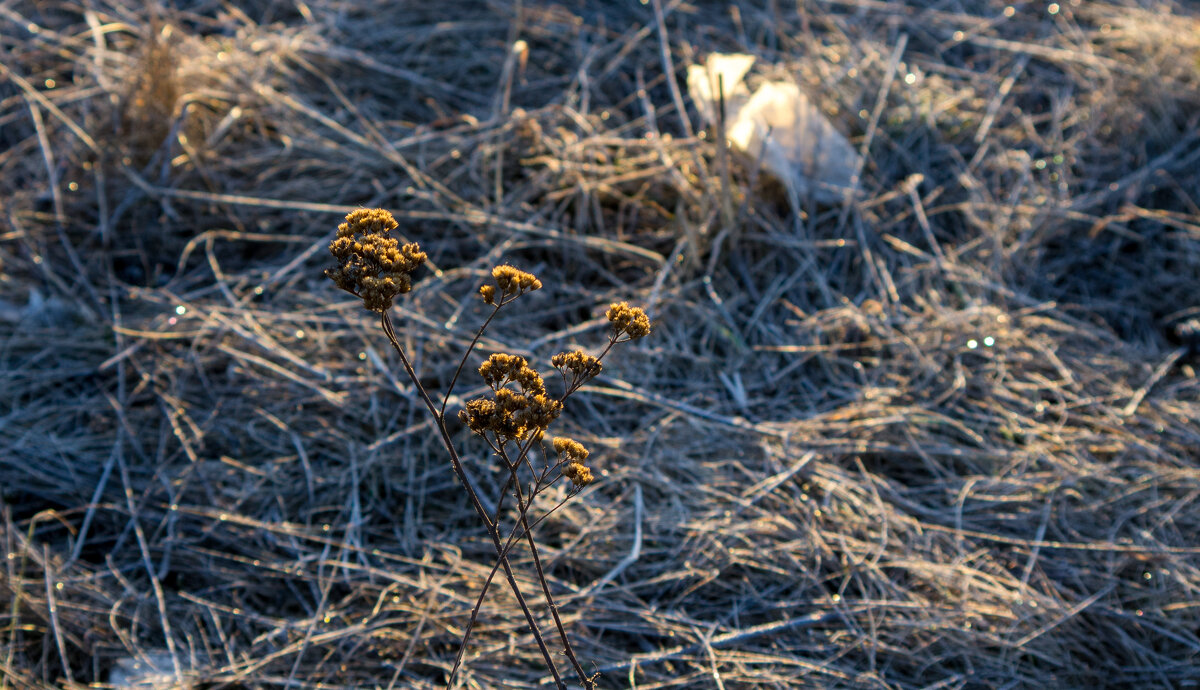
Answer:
(501, 368)
(511, 414)
(627, 320)
(581, 365)
(372, 264)
(579, 474)
(570, 448)
(513, 281)
(488, 293)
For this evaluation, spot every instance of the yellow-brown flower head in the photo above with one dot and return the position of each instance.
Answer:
(580, 475)
(488, 293)
(480, 415)
(570, 448)
(511, 414)
(372, 264)
(627, 320)
(501, 369)
(573, 454)
(582, 366)
(511, 281)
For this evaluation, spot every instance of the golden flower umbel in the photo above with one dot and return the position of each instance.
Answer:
(488, 293)
(480, 415)
(573, 453)
(512, 282)
(510, 279)
(372, 264)
(629, 321)
(579, 474)
(570, 448)
(511, 414)
(582, 366)
(501, 368)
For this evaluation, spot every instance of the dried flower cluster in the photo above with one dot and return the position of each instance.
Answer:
(511, 415)
(580, 475)
(500, 369)
(573, 453)
(523, 410)
(582, 366)
(628, 321)
(512, 283)
(372, 264)
(572, 449)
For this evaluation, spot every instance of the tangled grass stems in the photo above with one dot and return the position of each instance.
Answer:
(824, 410)
(374, 267)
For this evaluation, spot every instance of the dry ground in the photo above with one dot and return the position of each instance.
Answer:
(944, 434)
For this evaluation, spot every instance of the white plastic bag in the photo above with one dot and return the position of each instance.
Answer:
(776, 125)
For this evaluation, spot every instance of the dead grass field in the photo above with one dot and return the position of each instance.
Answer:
(943, 435)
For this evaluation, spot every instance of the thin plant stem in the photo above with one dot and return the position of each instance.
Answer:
(462, 645)
(462, 362)
(523, 511)
(514, 536)
(508, 544)
(459, 470)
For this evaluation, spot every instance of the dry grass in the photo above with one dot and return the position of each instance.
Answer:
(810, 478)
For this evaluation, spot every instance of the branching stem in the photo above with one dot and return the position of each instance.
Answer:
(459, 470)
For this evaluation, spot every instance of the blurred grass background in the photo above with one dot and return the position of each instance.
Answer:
(944, 434)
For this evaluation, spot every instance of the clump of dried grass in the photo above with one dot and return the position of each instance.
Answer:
(820, 482)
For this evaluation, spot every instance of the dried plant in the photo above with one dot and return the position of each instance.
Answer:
(512, 420)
